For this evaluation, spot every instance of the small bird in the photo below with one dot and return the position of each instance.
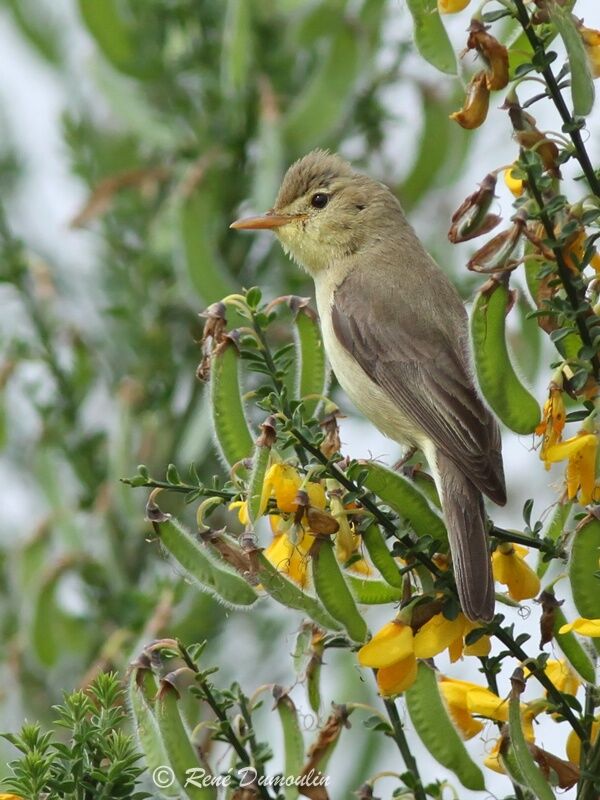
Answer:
(395, 332)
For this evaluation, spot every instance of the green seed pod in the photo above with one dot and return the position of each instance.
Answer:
(141, 691)
(401, 496)
(288, 594)
(373, 593)
(293, 741)
(532, 776)
(236, 52)
(381, 556)
(500, 385)
(572, 649)
(229, 418)
(509, 761)
(114, 37)
(436, 731)
(333, 590)
(583, 570)
(207, 274)
(260, 462)
(425, 484)
(209, 576)
(582, 84)
(177, 744)
(313, 374)
(430, 35)
(313, 682)
(319, 110)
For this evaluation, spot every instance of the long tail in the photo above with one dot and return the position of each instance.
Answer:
(465, 519)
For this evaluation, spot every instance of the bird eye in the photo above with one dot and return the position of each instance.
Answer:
(319, 200)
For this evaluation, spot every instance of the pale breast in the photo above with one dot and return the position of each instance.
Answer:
(366, 395)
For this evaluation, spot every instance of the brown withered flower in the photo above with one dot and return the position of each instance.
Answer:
(549, 605)
(492, 52)
(530, 137)
(496, 255)
(472, 219)
(476, 105)
(331, 444)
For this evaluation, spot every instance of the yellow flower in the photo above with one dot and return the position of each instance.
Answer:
(514, 184)
(347, 542)
(467, 700)
(452, 6)
(394, 642)
(394, 649)
(580, 450)
(281, 481)
(585, 627)
(553, 421)
(492, 760)
(390, 651)
(511, 569)
(11, 797)
(573, 746)
(591, 42)
(397, 678)
(437, 634)
(562, 676)
(574, 250)
(481, 647)
(455, 694)
(243, 517)
(291, 559)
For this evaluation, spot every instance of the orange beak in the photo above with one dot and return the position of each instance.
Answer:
(268, 221)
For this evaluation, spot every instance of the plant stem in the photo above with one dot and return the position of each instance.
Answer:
(529, 541)
(577, 301)
(400, 739)
(570, 125)
(366, 501)
(181, 488)
(539, 673)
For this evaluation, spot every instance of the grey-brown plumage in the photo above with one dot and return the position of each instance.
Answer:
(395, 331)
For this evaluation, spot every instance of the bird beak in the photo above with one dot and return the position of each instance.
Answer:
(269, 220)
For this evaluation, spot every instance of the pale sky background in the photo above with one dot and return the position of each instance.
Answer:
(31, 101)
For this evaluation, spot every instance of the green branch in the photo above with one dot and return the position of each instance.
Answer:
(570, 124)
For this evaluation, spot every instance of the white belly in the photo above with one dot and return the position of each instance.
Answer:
(366, 395)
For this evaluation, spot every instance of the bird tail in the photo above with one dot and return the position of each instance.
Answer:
(462, 504)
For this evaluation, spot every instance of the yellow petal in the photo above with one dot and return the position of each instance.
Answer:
(485, 703)
(243, 517)
(455, 695)
(562, 676)
(316, 495)
(515, 185)
(568, 448)
(573, 746)
(452, 6)
(480, 648)
(511, 570)
(437, 634)
(392, 643)
(492, 760)
(398, 677)
(455, 649)
(585, 627)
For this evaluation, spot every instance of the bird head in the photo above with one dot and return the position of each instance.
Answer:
(325, 211)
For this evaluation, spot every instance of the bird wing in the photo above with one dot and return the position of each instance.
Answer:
(424, 368)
